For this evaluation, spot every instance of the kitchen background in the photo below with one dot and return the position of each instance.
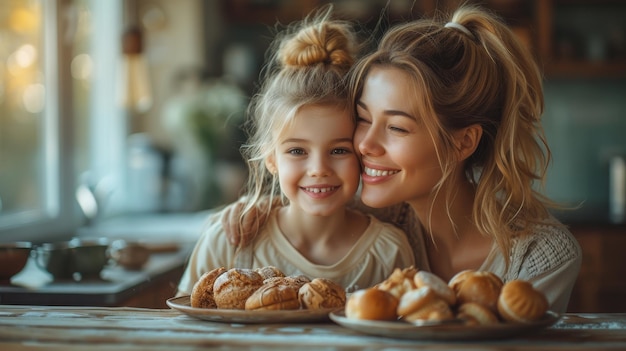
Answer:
(144, 107)
(585, 85)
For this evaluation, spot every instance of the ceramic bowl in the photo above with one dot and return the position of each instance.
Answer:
(76, 259)
(13, 258)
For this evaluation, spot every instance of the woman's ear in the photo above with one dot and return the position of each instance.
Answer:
(467, 139)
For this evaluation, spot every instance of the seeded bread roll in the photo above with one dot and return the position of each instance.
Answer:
(232, 288)
(202, 293)
(322, 293)
(269, 272)
(520, 302)
(275, 295)
(372, 304)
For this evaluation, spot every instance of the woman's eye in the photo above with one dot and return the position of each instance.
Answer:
(360, 119)
(398, 129)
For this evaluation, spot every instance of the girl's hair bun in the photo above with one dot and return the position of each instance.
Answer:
(326, 43)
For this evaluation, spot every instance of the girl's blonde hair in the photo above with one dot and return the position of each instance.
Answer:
(307, 64)
(475, 71)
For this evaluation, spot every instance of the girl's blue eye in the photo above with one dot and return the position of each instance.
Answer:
(295, 151)
(340, 151)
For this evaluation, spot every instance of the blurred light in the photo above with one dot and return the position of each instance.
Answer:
(26, 55)
(23, 21)
(34, 98)
(82, 67)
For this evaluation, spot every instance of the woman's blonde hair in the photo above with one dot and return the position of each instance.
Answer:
(307, 64)
(475, 71)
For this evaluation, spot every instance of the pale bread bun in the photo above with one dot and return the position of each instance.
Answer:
(476, 314)
(415, 299)
(372, 304)
(274, 296)
(322, 293)
(269, 272)
(520, 302)
(459, 278)
(438, 310)
(441, 288)
(399, 282)
(232, 288)
(481, 287)
(202, 292)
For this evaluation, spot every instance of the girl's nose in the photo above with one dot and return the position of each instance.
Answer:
(319, 167)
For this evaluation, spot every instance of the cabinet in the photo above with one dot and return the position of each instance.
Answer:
(581, 38)
(571, 38)
(600, 286)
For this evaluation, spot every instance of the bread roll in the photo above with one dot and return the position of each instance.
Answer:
(275, 295)
(269, 272)
(322, 293)
(520, 302)
(479, 286)
(476, 314)
(202, 292)
(372, 304)
(399, 282)
(232, 288)
(415, 299)
(437, 310)
(440, 287)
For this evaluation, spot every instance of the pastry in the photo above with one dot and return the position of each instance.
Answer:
(520, 302)
(458, 278)
(437, 310)
(322, 293)
(372, 304)
(202, 292)
(476, 314)
(415, 299)
(399, 282)
(275, 295)
(478, 286)
(424, 278)
(233, 287)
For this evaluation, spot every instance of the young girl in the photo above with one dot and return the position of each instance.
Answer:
(451, 146)
(302, 148)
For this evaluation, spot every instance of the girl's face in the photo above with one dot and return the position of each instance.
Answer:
(315, 160)
(398, 154)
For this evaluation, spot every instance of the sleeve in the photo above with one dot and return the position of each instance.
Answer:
(551, 262)
(212, 250)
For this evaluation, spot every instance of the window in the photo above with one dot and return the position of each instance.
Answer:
(57, 122)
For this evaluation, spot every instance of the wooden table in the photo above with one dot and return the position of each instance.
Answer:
(125, 328)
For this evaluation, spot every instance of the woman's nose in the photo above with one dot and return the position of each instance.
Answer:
(367, 142)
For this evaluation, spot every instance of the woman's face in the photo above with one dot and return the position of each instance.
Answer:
(397, 152)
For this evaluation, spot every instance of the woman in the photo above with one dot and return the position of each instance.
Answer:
(449, 134)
